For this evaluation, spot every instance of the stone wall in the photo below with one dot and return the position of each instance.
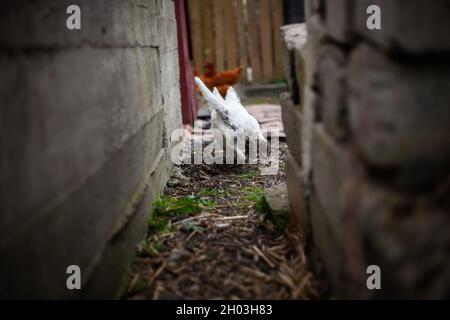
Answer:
(85, 117)
(368, 127)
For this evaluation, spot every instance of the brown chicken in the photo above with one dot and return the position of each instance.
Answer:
(223, 89)
(222, 80)
(229, 77)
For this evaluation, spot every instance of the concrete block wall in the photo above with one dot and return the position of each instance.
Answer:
(369, 175)
(85, 117)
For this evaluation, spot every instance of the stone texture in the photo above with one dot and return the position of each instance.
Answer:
(333, 83)
(309, 119)
(85, 120)
(328, 257)
(339, 19)
(98, 117)
(373, 167)
(412, 26)
(406, 236)
(399, 115)
(293, 38)
(337, 184)
(391, 229)
(308, 56)
(292, 120)
(298, 193)
(96, 209)
(305, 68)
(333, 169)
(120, 249)
(347, 207)
(276, 198)
(105, 23)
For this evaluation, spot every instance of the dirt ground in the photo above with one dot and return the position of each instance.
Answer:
(210, 239)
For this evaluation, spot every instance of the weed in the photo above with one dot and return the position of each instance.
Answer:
(154, 247)
(159, 224)
(207, 203)
(168, 207)
(252, 193)
(211, 192)
(261, 205)
(249, 175)
(255, 197)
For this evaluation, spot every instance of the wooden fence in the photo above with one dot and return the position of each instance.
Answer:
(233, 33)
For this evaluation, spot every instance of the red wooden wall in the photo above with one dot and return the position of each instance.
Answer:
(188, 95)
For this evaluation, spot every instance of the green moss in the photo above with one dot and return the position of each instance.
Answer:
(252, 193)
(159, 224)
(254, 196)
(249, 175)
(168, 207)
(212, 192)
(261, 205)
(207, 203)
(154, 247)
